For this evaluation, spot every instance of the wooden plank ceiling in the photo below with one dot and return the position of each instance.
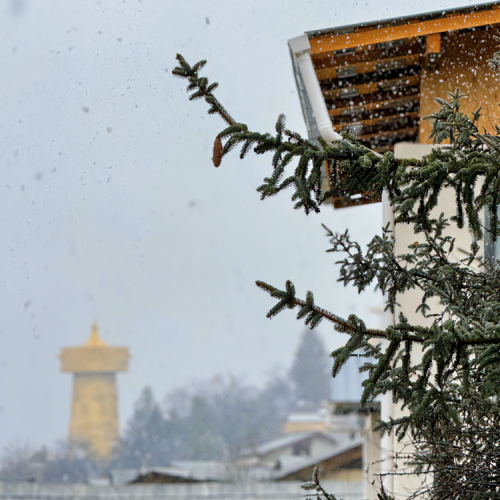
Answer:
(374, 92)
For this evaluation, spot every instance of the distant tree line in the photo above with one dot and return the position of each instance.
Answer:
(210, 420)
(215, 419)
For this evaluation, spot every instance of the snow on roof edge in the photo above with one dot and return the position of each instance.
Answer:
(425, 16)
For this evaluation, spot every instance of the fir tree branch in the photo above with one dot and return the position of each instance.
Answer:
(201, 87)
(309, 305)
(451, 392)
(356, 169)
(309, 308)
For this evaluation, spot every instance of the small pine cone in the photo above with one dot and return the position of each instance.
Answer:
(217, 158)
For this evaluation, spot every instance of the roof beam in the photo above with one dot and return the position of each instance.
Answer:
(385, 134)
(370, 88)
(386, 120)
(376, 105)
(369, 66)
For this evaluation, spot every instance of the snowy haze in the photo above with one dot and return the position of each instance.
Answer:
(111, 210)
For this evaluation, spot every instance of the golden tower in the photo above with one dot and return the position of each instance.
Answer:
(94, 406)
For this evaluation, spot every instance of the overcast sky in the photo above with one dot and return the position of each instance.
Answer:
(111, 210)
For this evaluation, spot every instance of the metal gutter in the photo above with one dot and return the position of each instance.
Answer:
(301, 52)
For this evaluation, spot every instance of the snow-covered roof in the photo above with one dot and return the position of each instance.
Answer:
(292, 468)
(305, 417)
(286, 440)
(178, 471)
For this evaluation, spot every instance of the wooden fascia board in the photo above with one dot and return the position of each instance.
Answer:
(325, 44)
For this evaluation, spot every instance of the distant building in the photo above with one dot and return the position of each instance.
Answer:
(287, 448)
(94, 406)
(289, 457)
(347, 386)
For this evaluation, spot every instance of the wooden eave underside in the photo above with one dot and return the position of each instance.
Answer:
(371, 76)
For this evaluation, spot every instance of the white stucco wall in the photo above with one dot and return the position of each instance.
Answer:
(402, 486)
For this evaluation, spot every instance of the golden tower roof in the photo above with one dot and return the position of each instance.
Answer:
(94, 339)
(94, 356)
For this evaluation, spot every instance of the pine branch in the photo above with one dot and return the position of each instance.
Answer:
(308, 308)
(201, 87)
(287, 146)
(356, 169)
